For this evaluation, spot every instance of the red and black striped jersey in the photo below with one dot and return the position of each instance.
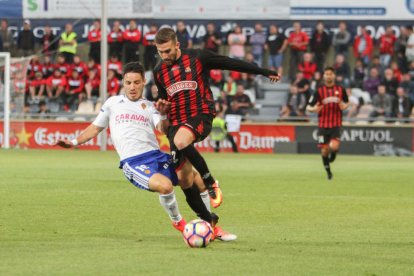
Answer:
(185, 83)
(329, 97)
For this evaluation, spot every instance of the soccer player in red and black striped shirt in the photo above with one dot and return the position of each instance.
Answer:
(329, 101)
(182, 78)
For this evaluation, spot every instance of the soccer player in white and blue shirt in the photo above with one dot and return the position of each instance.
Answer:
(132, 121)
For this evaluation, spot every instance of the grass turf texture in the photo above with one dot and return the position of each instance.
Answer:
(73, 213)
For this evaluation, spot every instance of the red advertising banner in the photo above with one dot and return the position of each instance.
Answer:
(254, 138)
(43, 135)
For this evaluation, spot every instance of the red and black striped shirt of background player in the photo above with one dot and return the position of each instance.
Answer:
(329, 97)
(185, 83)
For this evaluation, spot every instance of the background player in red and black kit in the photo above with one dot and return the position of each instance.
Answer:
(329, 101)
(182, 78)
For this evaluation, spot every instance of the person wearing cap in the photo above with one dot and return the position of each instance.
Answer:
(68, 43)
(26, 40)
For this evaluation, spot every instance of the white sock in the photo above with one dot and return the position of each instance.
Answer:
(206, 199)
(170, 205)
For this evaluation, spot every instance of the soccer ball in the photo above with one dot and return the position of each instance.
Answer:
(197, 233)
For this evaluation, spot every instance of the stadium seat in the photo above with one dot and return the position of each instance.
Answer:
(85, 107)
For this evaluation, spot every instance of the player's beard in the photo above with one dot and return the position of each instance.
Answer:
(170, 60)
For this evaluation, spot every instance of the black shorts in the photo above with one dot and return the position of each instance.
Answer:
(325, 135)
(199, 125)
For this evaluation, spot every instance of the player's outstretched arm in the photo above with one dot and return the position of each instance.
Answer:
(90, 132)
(214, 61)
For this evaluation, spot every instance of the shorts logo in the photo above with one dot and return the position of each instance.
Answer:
(180, 86)
(143, 168)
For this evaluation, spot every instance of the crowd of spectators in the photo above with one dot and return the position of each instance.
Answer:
(381, 73)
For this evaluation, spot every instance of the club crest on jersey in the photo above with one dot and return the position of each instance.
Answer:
(180, 86)
(187, 69)
(143, 105)
(336, 92)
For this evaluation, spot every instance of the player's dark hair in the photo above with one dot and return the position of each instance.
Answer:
(134, 67)
(329, 68)
(165, 35)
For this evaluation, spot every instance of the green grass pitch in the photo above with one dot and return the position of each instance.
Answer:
(73, 213)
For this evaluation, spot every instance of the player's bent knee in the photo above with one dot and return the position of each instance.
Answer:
(161, 184)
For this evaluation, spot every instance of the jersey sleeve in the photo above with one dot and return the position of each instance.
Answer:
(214, 61)
(314, 98)
(102, 120)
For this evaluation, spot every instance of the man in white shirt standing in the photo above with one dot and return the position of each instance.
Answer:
(409, 50)
(132, 120)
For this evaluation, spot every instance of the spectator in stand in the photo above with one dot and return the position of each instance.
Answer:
(342, 69)
(79, 66)
(230, 87)
(298, 42)
(276, 44)
(390, 82)
(341, 39)
(20, 85)
(62, 65)
(216, 78)
(26, 40)
(408, 86)
(75, 91)
(376, 63)
(37, 87)
(240, 103)
(48, 42)
(302, 84)
(258, 40)
(132, 37)
(154, 96)
(33, 67)
(401, 107)
(44, 111)
(400, 47)
(1, 44)
(55, 85)
(116, 65)
(212, 39)
(307, 66)
(150, 51)
(6, 36)
(396, 70)
(363, 46)
(315, 82)
(386, 46)
(92, 85)
(93, 66)
(94, 38)
(409, 50)
(295, 105)
(359, 74)
(246, 80)
(372, 82)
(320, 44)
(68, 43)
(115, 40)
(382, 104)
(113, 83)
(48, 67)
(236, 41)
(183, 36)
